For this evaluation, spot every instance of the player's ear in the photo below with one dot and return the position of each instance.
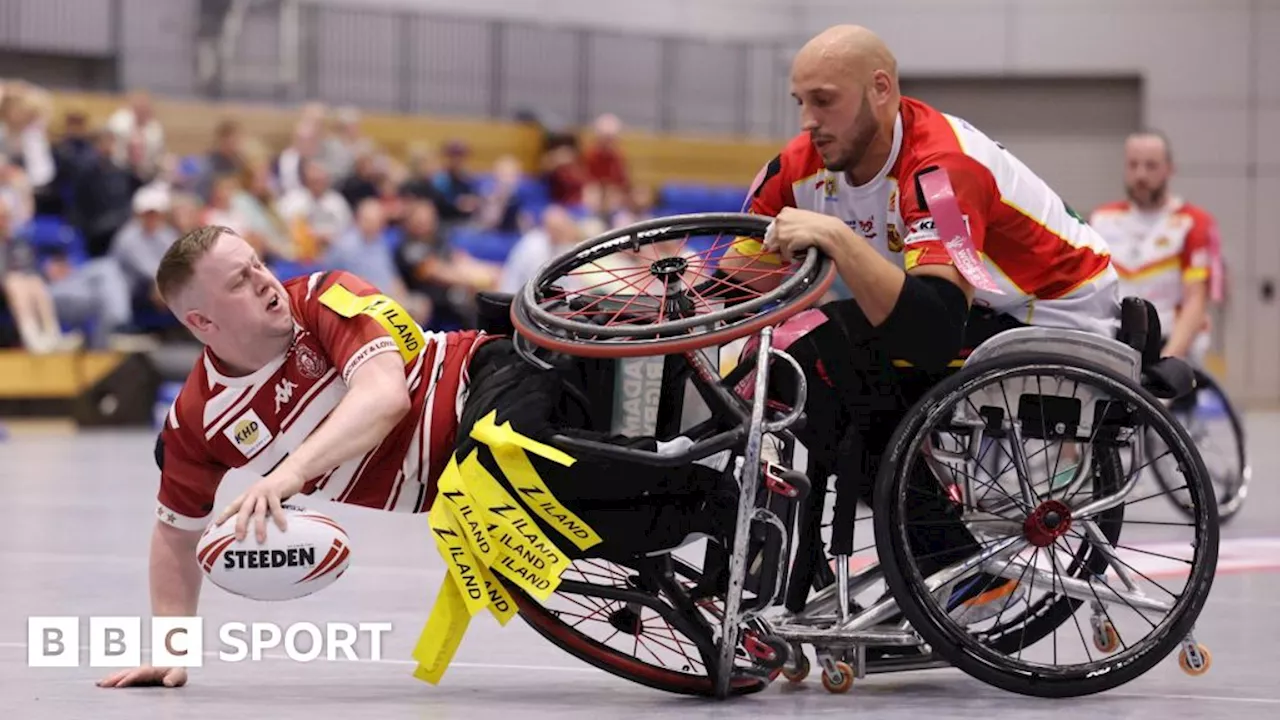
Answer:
(881, 85)
(197, 321)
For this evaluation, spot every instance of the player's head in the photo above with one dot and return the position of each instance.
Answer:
(846, 83)
(1148, 165)
(218, 287)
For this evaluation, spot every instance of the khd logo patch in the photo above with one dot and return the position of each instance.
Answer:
(248, 434)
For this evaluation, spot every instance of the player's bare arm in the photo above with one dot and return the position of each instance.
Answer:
(1190, 319)
(377, 400)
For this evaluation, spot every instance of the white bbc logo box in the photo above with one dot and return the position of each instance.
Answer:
(115, 641)
(179, 641)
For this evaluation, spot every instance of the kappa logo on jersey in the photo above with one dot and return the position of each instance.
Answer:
(284, 392)
(249, 434)
(310, 364)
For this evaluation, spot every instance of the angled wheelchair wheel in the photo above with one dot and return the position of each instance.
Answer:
(657, 288)
(644, 622)
(1216, 429)
(1030, 578)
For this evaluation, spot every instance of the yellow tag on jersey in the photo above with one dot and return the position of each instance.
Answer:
(389, 314)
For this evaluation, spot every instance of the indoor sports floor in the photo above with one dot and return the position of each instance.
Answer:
(80, 519)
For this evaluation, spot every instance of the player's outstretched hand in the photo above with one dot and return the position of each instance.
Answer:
(263, 497)
(145, 676)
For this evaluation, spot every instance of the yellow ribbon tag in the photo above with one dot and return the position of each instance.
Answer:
(390, 315)
(463, 567)
(467, 515)
(442, 635)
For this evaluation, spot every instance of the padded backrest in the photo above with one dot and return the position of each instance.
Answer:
(493, 313)
(1140, 328)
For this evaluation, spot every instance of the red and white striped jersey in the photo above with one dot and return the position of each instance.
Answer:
(219, 422)
(1155, 252)
(1053, 269)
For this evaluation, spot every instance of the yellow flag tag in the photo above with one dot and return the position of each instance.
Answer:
(463, 567)
(443, 633)
(387, 312)
(510, 526)
(467, 515)
(501, 604)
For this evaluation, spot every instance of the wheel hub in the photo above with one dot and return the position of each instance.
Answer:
(1048, 522)
(627, 621)
(667, 267)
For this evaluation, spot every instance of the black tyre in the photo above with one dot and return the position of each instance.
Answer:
(997, 659)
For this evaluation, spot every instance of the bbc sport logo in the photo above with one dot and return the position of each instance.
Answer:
(115, 642)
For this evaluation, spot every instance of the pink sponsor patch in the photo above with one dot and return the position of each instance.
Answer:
(791, 330)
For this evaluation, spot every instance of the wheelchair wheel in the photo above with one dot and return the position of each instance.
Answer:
(646, 624)
(654, 288)
(1039, 551)
(1216, 429)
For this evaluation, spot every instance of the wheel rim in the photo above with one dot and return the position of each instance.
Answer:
(972, 642)
(652, 288)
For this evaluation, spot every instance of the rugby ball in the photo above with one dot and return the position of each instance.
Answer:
(308, 556)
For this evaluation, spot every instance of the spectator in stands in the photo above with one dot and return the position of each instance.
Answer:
(315, 214)
(15, 193)
(558, 233)
(305, 146)
(341, 148)
(365, 249)
(24, 135)
(456, 187)
(424, 165)
(362, 182)
(254, 204)
(94, 296)
(185, 211)
(225, 156)
(448, 277)
(135, 125)
(500, 203)
(25, 292)
(605, 164)
(103, 198)
(563, 171)
(73, 154)
(143, 241)
(394, 177)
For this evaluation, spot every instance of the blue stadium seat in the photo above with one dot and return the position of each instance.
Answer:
(484, 245)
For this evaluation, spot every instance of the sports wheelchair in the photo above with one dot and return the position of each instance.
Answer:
(645, 303)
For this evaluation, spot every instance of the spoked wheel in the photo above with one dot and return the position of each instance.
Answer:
(1215, 428)
(995, 578)
(657, 288)
(646, 625)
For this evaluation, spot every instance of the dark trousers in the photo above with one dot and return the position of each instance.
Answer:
(858, 394)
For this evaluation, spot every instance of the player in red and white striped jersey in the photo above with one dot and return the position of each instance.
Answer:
(1164, 248)
(321, 385)
(862, 184)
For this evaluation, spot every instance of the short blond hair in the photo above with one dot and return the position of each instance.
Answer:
(178, 264)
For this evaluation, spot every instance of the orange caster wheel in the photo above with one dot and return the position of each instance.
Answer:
(801, 670)
(842, 681)
(1197, 661)
(1105, 638)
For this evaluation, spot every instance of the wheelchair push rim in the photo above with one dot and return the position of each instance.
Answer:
(1115, 655)
(648, 289)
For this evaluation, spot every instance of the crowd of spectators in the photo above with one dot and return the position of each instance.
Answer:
(331, 199)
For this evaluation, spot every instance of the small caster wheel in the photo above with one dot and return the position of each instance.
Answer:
(1105, 637)
(842, 681)
(800, 671)
(1196, 662)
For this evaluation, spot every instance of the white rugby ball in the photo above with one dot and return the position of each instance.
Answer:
(308, 556)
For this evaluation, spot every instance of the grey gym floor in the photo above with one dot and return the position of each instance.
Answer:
(78, 518)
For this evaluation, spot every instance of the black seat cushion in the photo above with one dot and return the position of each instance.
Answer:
(493, 313)
(1169, 378)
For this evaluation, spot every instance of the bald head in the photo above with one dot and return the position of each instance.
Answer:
(846, 82)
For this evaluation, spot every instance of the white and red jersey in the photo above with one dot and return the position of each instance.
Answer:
(1052, 268)
(219, 422)
(1156, 252)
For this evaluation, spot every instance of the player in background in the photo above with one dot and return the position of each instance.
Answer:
(1164, 248)
(855, 183)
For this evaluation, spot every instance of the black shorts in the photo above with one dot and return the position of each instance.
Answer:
(635, 508)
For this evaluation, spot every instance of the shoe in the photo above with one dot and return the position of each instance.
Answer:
(983, 598)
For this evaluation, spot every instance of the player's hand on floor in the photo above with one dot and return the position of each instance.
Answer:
(263, 497)
(145, 676)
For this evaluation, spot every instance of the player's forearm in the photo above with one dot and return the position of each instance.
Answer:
(874, 282)
(175, 576)
(1189, 322)
(376, 401)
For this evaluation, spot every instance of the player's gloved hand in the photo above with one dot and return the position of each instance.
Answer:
(262, 497)
(145, 676)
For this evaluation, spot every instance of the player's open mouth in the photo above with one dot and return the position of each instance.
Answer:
(274, 303)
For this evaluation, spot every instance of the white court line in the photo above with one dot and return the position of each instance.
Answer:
(382, 661)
